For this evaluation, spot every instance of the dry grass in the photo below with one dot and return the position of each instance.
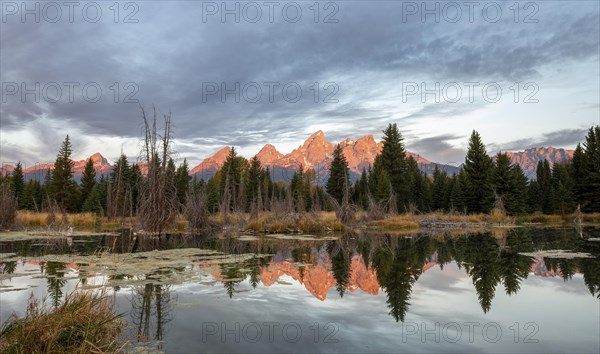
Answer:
(307, 222)
(84, 323)
(591, 218)
(395, 222)
(82, 221)
(30, 218)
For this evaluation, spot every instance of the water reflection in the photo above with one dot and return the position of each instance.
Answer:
(151, 311)
(355, 261)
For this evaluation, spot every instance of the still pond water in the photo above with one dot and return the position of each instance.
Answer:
(504, 291)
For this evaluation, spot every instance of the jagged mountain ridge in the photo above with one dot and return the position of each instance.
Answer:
(529, 158)
(314, 153)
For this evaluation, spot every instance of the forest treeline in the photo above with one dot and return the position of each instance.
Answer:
(393, 184)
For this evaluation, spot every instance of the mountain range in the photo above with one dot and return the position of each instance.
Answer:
(316, 153)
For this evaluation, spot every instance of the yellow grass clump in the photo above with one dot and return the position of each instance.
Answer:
(84, 323)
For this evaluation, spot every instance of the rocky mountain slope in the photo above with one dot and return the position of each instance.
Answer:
(314, 153)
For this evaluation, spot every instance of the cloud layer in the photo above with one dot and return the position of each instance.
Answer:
(361, 66)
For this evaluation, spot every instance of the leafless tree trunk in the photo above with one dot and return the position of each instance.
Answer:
(375, 210)
(196, 211)
(345, 211)
(158, 202)
(8, 206)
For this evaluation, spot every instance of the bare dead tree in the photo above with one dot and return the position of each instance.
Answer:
(344, 211)
(158, 203)
(375, 211)
(8, 206)
(196, 211)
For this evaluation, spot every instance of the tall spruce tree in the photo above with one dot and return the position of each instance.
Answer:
(88, 180)
(457, 194)
(563, 198)
(231, 180)
(439, 189)
(510, 185)
(544, 188)
(393, 161)
(300, 190)
(182, 182)
(32, 196)
(253, 184)
(479, 172)
(62, 188)
(135, 182)
(18, 184)
(119, 191)
(384, 187)
(517, 199)
(338, 175)
(361, 191)
(579, 174)
(96, 200)
(591, 152)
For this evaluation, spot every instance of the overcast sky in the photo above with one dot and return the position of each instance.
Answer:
(360, 66)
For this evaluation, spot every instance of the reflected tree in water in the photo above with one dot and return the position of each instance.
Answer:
(514, 268)
(340, 263)
(399, 263)
(151, 310)
(55, 280)
(8, 267)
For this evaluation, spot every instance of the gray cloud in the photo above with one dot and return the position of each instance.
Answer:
(437, 148)
(170, 52)
(559, 138)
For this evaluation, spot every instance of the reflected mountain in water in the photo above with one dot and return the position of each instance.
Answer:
(371, 263)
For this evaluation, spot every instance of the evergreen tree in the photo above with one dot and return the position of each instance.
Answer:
(516, 201)
(579, 174)
(182, 182)
(18, 184)
(393, 161)
(231, 181)
(479, 172)
(119, 191)
(503, 176)
(590, 198)
(61, 188)
(384, 187)
(213, 197)
(88, 180)
(544, 187)
(266, 188)
(563, 198)
(32, 196)
(439, 189)
(253, 184)
(510, 185)
(338, 175)
(457, 194)
(374, 172)
(300, 190)
(97, 198)
(361, 191)
(135, 183)
(419, 194)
